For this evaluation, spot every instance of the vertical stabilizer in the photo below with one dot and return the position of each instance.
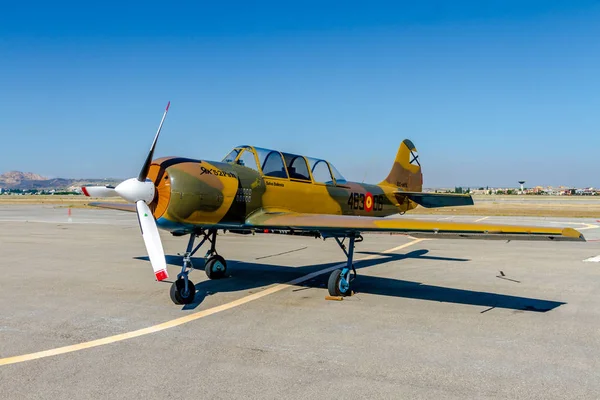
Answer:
(406, 171)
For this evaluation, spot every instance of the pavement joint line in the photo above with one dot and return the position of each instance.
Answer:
(188, 318)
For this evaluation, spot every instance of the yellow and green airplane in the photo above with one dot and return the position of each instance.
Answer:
(255, 189)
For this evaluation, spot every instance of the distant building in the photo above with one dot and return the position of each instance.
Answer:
(479, 191)
(585, 191)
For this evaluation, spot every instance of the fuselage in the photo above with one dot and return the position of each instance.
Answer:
(197, 193)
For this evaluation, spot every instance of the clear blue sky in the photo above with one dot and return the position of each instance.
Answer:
(489, 91)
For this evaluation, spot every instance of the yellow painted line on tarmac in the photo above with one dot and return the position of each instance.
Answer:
(183, 320)
(481, 219)
(588, 226)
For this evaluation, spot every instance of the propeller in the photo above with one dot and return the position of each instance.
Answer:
(141, 191)
(99, 191)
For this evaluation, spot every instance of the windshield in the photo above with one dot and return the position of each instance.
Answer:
(229, 158)
(247, 159)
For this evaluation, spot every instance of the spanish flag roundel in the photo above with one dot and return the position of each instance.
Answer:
(368, 202)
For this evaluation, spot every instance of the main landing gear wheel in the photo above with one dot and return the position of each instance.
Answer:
(340, 279)
(215, 267)
(181, 295)
(338, 285)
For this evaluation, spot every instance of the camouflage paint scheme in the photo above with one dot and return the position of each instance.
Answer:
(195, 194)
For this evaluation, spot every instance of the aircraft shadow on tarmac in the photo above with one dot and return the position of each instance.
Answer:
(248, 275)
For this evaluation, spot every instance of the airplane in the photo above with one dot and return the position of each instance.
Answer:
(254, 189)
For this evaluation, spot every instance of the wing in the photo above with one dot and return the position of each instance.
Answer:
(115, 206)
(344, 224)
(434, 200)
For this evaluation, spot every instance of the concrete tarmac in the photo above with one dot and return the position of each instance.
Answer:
(441, 319)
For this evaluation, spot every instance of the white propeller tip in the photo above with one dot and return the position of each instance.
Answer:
(99, 191)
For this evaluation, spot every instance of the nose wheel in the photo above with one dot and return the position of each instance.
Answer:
(183, 291)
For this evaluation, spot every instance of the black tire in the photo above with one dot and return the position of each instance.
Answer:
(333, 285)
(215, 267)
(178, 293)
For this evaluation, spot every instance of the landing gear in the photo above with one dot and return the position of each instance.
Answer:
(340, 280)
(215, 267)
(183, 289)
(337, 284)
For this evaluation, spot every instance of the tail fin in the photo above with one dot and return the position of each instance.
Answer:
(406, 171)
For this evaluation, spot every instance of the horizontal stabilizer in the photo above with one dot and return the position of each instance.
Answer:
(435, 200)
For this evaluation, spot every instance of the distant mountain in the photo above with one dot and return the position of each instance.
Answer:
(16, 177)
(28, 180)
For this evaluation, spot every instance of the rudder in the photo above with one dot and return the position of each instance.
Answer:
(406, 171)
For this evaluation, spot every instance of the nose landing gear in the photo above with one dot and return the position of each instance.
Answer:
(183, 290)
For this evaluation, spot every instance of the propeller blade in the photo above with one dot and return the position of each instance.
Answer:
(99, 191)
(152, 240)
(144, 172)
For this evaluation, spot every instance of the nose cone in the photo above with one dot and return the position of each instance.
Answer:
(133, 190)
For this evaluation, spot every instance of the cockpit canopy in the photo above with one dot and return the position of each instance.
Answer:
(278, 164)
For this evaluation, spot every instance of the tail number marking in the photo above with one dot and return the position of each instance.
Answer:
(365, 201)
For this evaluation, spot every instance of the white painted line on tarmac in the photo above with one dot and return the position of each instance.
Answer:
(481, 219)
(592, 259)
(184, 320)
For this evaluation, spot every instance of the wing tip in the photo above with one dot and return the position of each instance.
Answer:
(573, 233)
